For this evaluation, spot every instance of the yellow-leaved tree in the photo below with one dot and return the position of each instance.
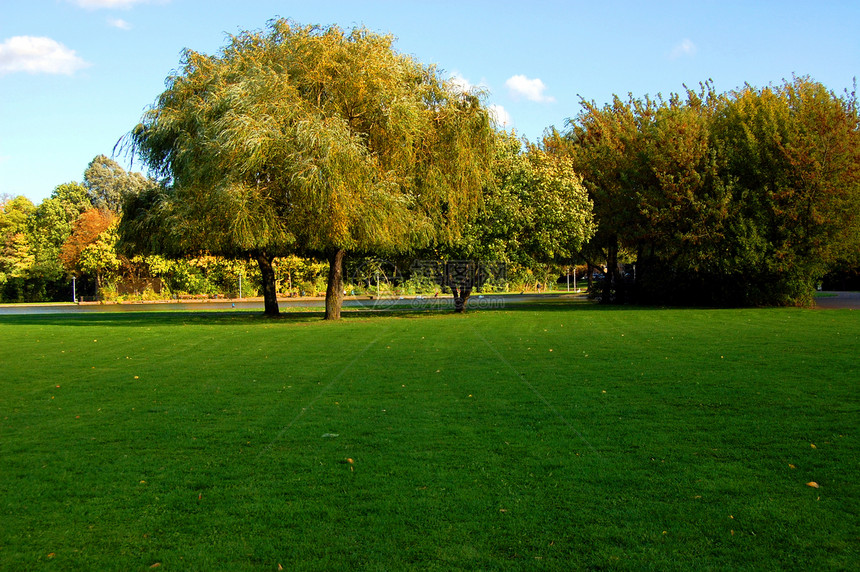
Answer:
(307, 140)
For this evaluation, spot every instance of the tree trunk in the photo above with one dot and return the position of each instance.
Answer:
(611, 272)
(334, 290)
(461, 297)
(270, 292)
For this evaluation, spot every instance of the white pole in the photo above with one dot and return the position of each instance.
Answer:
(74, 290)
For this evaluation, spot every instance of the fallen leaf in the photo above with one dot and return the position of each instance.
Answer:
(156, 565)
(812, 484)
(813, 445)
(280, 567)
(51, 555)
(790, 466)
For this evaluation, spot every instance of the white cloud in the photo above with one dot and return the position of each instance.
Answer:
(531, 89)
(685, 48)
(500, 115)
(119, 23)
(38, 55)
(462, 84)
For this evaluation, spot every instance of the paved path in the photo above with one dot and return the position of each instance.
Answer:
(476, 301)
(842, 301)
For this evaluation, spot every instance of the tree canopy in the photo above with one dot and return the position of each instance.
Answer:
(108, 184)
(742, 198)
(535, 209)
(308, 140)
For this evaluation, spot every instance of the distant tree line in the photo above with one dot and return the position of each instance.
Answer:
(73, 233)
(42, 247)
(298, 158)
(744, 198)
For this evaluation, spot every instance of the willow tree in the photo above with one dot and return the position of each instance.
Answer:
(310, 141)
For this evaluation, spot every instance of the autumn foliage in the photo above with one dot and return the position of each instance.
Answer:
(86, 231)
(744, 198)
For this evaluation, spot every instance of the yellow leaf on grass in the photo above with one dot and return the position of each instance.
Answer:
(812, 484)
(790, 466)
(813, 445)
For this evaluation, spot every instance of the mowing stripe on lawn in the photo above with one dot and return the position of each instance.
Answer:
(322, 392)
(533, 389)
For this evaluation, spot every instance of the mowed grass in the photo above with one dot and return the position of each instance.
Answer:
(551, 437)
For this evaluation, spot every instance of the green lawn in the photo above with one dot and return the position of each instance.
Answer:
(547, 436)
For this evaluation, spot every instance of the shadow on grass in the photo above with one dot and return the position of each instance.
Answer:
(217, 317)
(148, 319)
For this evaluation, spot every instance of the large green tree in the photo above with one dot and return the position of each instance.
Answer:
(792, 157)
(31, 238)
(606, 145)
(16, 251)
(108, 184)
(535, 211)
(742, 198)
(311, 141)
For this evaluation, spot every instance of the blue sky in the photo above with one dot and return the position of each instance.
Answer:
(75, 75)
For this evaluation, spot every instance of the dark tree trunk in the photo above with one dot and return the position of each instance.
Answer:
(270, 292)
(590, 271)
(334, 291)
(609, 282)
(461, 297)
